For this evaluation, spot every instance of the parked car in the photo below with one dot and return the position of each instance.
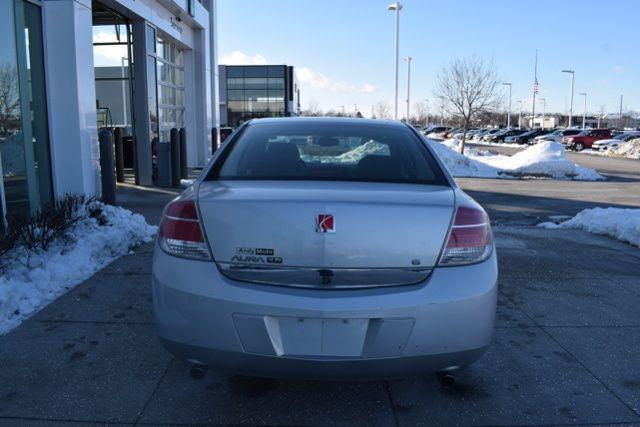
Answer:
(586, 138)
(556, 135)
(487, 136)
(608, 144)
(449, 133)
(481, 133)
(437, 131)
(505, 133)
(527, 137)
(458, 134)
(284, 260)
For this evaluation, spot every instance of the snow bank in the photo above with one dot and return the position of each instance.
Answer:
(629, 149)
(460, 165)
(544, 160)
(622, 224)
(31, 282)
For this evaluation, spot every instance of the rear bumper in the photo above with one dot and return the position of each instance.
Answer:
(445, 322)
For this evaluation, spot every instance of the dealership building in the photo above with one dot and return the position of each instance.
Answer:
(254, 91)
(71, 67)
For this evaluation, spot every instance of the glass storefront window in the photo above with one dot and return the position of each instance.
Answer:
(24, 143)
(255, 91)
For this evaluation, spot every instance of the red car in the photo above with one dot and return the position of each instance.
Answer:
(586, 138)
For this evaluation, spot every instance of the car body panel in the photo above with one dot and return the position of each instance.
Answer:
(445, 321)
(377, 225)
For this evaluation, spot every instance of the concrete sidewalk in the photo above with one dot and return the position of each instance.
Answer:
(565, 352)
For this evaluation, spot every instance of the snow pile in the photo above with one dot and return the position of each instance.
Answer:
(629, 149)
(544, 160)
(547, 159)
(459, 165)
(31, 281)
(622, 224)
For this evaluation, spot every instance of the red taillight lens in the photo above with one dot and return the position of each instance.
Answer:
(180, 231)
(470, 238)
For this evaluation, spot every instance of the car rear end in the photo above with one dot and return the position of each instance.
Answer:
(299, 271)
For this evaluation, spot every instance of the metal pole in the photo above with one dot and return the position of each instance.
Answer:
(117, 136)
(426, 120)
(396, 7)
(184, 169)
(175, 157)
(621, 113)
(573, 76)
(535, 91)
(584, 111)
(509, 110)
(124, 93)
(408, 59)
(107, 169)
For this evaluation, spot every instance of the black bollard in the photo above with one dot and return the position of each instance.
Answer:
(214, 140)
(175, 158)
(117, 139)
(184, 169)
(107, 175)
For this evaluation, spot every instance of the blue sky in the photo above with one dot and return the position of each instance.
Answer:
(344, 49)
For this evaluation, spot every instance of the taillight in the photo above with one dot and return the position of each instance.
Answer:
(180, 231)
(470, 238)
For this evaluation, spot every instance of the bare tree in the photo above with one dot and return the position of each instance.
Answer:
(312, 109)
(419, 113)
(468, 86)
(381, 110)
(9, 99)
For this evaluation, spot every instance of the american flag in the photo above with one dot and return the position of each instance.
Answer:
(535, 86)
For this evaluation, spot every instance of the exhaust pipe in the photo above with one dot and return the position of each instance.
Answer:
(446, 377)
(198, 372)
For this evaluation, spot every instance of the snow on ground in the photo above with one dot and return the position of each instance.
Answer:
(622, 224)
(544, 160)
(29, 283)
(629, 150)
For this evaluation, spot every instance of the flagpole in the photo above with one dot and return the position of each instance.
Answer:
(535, 84)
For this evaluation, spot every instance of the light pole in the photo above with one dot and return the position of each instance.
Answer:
(573, 76)
(426, 120)
(408, 59)
(509, 110)
(519, 101)
(544, 109)
(441, 111)
(397, 7)
(584, 112)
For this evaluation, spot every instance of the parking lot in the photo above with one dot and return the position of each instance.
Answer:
(565, 349)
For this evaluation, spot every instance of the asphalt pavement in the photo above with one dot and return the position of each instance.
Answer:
(565, 350)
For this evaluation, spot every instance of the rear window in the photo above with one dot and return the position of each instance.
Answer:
(328, 151)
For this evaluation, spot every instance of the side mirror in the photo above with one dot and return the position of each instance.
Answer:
(186, 183)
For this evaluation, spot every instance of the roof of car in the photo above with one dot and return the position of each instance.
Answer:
(334, 120)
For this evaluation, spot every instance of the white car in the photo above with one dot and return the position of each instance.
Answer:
(607, 144)
(556, 136)
(325, 248)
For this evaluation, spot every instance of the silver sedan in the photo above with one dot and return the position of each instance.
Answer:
(325, 248)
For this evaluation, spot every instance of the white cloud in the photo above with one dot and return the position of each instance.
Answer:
(107, 55)
(618, 69)
(317, 80)
(240, 58)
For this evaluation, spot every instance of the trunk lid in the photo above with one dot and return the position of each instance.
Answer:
(272, 224)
